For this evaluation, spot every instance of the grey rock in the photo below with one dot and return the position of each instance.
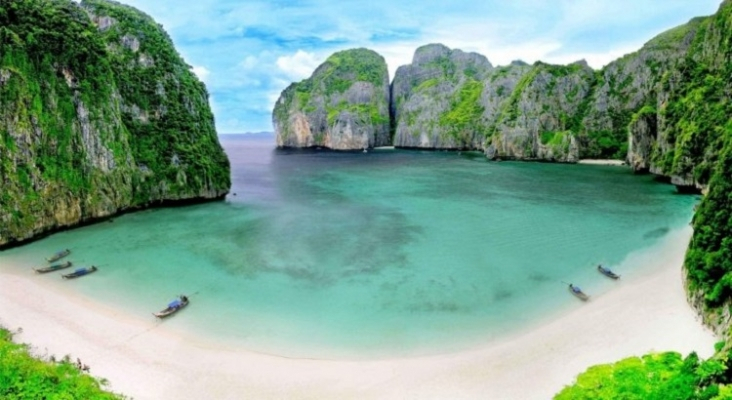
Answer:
(344, 105)
(425, 93)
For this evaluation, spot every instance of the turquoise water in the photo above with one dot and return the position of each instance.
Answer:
(367, 255)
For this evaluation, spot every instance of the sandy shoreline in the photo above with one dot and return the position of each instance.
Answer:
(145, 360)
(616, 163)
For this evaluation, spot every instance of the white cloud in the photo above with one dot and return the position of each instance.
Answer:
(249, 63)
(298, 66)
(202, 72)
(272, 98)
(396, 55)
(233, 125)
(253, 50)
(595, 60)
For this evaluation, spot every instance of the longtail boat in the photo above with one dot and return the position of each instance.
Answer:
(607, 272)
(578, 292)
(53, 267)
(58, 255)
(80, 272)
(173, 307)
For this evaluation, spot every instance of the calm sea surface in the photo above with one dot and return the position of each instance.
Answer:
(386, 253)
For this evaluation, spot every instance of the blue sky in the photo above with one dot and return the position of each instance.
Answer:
(248, 51)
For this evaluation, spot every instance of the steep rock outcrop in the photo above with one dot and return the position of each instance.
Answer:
(539, 120)
(436, 99)
(560, 113)
(164, 107)
(448, 99)
(625, 86)
(85, 130)
(344, 105)
(636, 108)
(695, 149)
(643, 132)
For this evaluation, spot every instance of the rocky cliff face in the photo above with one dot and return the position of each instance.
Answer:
(538, 120)
(435, 100)
(449, 99)
(344, 105)
(694, 147)
(630, 105)
(98, 114)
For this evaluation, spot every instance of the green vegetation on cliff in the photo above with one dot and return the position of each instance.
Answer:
(695, 147)
(98, 113)
(165, 106)
(519, 102)
(53, 68)
(510, 109)
(437, 100)
(699, 115)
(344, 105)
(709, 259)
(344, 68)
(672, 37)
(463, 119)
(24, 377)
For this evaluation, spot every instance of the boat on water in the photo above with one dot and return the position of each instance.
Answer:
(80, 272)
(578, 292)
(173, 307)
(607, 272)
(58, 255)
(53, 267)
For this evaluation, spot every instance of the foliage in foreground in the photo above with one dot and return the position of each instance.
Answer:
(660, 376)
(25, 377)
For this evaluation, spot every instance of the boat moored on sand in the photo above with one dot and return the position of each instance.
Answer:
(80, 272)
(578, 292)
(52, 267)
(58, 255)
(173, 307)
(607, 272)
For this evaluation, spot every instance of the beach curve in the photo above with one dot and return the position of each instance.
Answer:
(144, 359)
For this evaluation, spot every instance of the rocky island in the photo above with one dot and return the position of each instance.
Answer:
(343, 106)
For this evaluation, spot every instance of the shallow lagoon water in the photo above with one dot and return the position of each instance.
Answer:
(380, 254)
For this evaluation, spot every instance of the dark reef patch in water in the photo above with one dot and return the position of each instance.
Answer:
(657, 233)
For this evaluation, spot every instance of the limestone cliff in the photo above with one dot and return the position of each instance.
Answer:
(449, 99)
(344, 105)
(694, 147)
(436, 99)
(98, 114)
(539, 119)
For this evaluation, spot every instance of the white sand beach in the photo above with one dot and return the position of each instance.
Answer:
(145, 360)
(616, 163)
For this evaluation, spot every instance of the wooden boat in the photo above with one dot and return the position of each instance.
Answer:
(80, 272)
(174, 306)
(578, 292)
(53, 267)
(58, 255)
(607, 272)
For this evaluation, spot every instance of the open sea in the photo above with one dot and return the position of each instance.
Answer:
(388, 253)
